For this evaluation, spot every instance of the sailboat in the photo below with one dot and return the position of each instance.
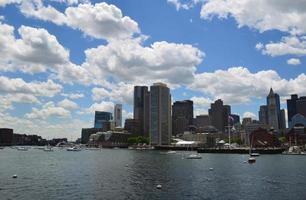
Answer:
(251, 159)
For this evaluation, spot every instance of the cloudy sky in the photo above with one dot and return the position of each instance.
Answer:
(62, 59)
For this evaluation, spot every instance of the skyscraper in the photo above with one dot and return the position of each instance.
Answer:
(263, 114)
(291, 107)
(273, 105)
(118, 115)
(218, 114)
(182, 116)
(295, 105)
(160, 114)
(142, 108)
(102, 117)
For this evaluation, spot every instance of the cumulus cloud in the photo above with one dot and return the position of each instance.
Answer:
(249, 114)
(283, 15)
(101, 20)
(48, 110)
(73, 95)
(293, 61)
(66, 127)
(239, 85)
(129, 61)
(18, 85)
(68, 104)
(186, 5)
(292, 45)
(120, 93)
(107, 106)
(33, 52)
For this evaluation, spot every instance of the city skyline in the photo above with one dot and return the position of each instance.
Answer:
(56, 71)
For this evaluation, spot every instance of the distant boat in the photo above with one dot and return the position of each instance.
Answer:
(255, 154)
(74, 149)
(251, 159)
(48, 148)
(1, 147)
(171, 152)
(22, 148)
(194, 156)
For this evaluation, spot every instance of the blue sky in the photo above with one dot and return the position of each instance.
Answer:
(63, 59)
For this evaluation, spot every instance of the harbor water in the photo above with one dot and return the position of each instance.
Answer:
(135, 174)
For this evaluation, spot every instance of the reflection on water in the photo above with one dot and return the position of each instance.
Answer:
(131, 174)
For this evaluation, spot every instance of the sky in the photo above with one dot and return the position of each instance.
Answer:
(63, 59)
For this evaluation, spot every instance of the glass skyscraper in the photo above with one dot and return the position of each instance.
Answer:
(101, 117)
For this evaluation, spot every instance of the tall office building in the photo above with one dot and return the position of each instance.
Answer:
(263, 114)
(219, 115)
(118, 115)
(273, 105)
(142, 108)
(182, 116)
(295, 105)
(101, 118)
(236, 119)
(282, 121)
(202, 121)
(301, 106)
(160, 114)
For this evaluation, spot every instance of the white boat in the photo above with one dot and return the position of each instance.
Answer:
(171, 152)
(194, 156)
(251, 159)
(22, 148)
(74, 149)
(48, 148)
(255, 154)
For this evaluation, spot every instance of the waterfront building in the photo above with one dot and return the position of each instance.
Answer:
(295, 105)
(262, 138)
(118, 115)
(133, 126)
(246, 120)
(182, 116)
(263, 114)
(160, 114)
(101, 117)
(142, 108)
(6, 136)
(202, 121)
(273, 105)
(219, 115)
(110, 139)
(87, 132)
(301, 106)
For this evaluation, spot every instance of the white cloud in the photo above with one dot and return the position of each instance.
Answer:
(120, 93)
(68, 104)
(293, 61)
(263, 15)
(249, 114)
(288, 45)
(6, 2)
(48, 110)
(201, 101)
(101, 20)
(33, 52)
(66, 127)
(107, 106)
(18, 85)
(239, 85)
(73, 95)
(186, 5)
(129, 61)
